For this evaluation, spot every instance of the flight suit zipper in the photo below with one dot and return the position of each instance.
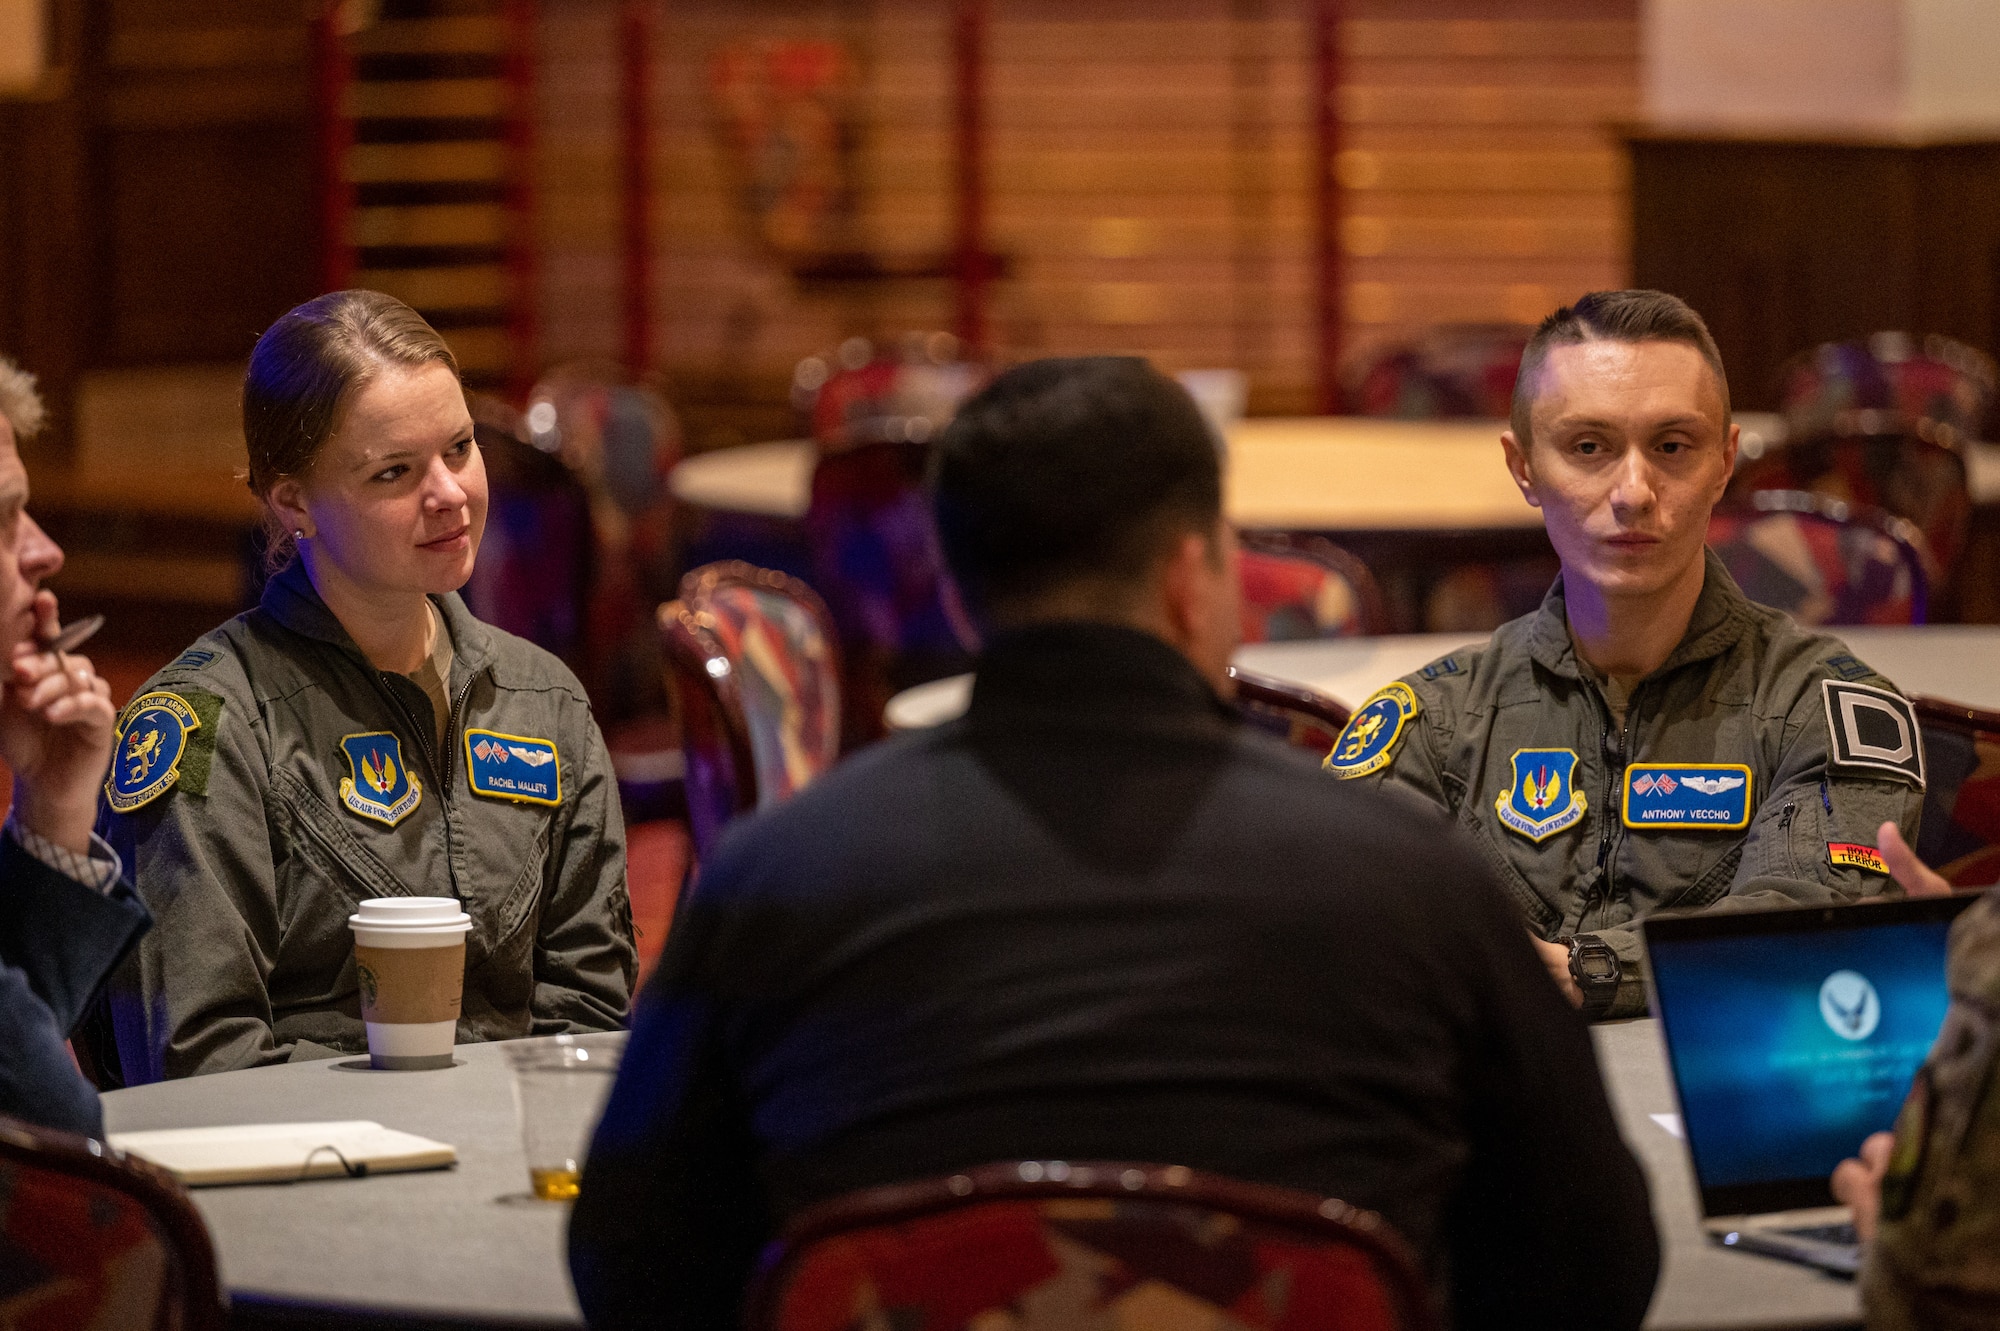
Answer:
(440, 767)
(1613, 747)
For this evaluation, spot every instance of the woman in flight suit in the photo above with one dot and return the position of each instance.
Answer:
(360, 734)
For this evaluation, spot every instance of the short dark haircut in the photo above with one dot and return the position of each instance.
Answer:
(1069, 470)
(1613, 316)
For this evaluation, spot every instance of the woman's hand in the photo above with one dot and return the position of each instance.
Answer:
(56, 733)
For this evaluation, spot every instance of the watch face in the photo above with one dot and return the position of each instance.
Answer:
(1597, 966)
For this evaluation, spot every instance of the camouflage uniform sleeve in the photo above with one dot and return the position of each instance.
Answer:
(1936, 1260)
(1812, 840)
(1395, 739)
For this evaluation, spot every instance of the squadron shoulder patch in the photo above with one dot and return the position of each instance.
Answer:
(379, 785)
(1846, 855)
(1544, 798)
(513, 767)
(1872, 730)
(1688, 795)
(1369, 738)
(146, 757)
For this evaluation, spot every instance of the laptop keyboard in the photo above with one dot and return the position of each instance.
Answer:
(1841, 1233)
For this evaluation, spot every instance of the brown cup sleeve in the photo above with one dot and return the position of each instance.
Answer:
(410, 984)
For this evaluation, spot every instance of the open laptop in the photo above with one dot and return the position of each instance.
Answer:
(1792, 1035)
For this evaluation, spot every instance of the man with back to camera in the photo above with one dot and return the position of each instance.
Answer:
(1097, 918)
(1649, 738)
(66, 918)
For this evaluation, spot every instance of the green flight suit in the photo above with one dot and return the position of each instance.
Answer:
(1936, 1260)
(1744, 686)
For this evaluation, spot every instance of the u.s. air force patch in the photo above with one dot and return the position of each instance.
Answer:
(1370, 736)
(1694, 795)
(146, 757)
(380, 786)
(1543, 799)
(512, 767)
(1871, 730)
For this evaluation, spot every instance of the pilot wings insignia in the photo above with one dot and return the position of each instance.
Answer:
(532, 757)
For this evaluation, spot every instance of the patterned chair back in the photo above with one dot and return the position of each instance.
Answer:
(1053, 1244)
(1899, 474)
(876, 557)
(1297, 587)
(534, 569)
(757, 670)
(90, 1237)
(1455, 371)
(1960, 832)
(1822, 561)
(1294, 713)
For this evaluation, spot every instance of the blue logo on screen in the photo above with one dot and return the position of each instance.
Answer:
(1850, 1005)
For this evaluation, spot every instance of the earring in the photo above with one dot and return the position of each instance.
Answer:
(298, 533)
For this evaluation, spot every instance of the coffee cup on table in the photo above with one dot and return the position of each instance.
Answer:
(409, 955)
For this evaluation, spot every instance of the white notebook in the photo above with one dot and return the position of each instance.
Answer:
(284, 1152)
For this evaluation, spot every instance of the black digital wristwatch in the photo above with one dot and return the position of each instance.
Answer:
(1594, 967)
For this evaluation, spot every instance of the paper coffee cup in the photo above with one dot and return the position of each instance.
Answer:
(409, 955)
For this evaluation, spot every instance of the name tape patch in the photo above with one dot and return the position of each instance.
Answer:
(1872, 730)
(1846, 855)
(146, 756)
(1369, 738)
(379, 784)
(1688, 795)
(513, 767)
(1544, 798)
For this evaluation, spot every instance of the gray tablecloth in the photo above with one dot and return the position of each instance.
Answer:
(467, 1242)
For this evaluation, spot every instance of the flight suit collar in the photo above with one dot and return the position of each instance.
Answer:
(291, 599)
(1722, 615)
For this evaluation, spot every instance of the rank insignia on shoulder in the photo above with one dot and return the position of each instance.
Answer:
(1871, 730)
(1848, 667)
(1699, 795)
(512, 767)
(380, 785)
(1846, 855)
(146, 756)
(1444, 666)
(1543, 799)
(1370, 736)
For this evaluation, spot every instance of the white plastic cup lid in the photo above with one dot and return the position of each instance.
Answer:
(425, 914)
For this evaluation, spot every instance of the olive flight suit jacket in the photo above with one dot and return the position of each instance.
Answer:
(1936, 1261)
(270, 779)
(1753, 769)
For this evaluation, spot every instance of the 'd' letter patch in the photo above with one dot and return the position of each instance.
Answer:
(381, 786)
(1872, 730)
(1543, 799)
(146, 757)
(1370, 736)
(513, 767)
(1707, 795)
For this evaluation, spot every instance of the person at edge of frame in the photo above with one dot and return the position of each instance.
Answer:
(1649, 739)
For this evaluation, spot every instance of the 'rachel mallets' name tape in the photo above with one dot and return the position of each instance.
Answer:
(284, 1152)
(1669, 1123)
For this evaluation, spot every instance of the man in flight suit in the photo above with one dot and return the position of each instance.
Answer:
(1649, 738)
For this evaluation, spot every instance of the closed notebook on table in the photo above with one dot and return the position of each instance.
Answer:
(284, 1152)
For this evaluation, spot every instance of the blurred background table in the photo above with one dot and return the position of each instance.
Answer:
(1956, 662)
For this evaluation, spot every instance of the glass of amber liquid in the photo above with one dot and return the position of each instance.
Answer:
(560, 1084)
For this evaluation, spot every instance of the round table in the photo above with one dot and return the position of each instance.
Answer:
(465, 1243)
(463, 1246)
(1957, 662)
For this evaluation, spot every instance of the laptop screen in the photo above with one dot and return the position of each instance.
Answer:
(1792, 1035)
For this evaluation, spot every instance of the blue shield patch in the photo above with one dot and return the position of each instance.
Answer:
(513, 767)
(146, 757)
(380, 784)
(1543, 799)
(1705, 795)
(1369, 739)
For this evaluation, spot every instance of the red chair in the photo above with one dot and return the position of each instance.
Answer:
(1294, 713)
(755, 666)
(1299, 587)
(92, 1237)
(1087, 1245)
(1823, 561)
(1960, 833)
